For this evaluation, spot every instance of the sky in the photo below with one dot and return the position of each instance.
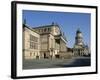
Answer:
(68, 21)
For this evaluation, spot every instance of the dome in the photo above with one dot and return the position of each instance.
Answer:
(78, 31)
(79, 35)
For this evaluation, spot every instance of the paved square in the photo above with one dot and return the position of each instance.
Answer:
(56, 63)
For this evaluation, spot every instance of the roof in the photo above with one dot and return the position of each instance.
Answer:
(25, 25)
(51, 25)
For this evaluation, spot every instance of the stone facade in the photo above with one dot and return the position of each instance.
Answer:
(43, 42)
(31, 44)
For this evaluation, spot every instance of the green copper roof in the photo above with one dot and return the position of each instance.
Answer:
(78, 30)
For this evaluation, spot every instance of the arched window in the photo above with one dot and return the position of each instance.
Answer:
(48, 29)
(45, 29)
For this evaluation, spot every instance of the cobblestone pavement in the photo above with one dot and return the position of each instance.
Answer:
(57, 63)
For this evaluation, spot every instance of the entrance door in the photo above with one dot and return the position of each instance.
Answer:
(57, 56)
(44, 55)
(78, 52)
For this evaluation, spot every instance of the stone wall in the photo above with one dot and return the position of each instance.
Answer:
(28, 52)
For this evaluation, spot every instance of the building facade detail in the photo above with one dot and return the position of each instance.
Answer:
(80, 49)
(43, 42)
(31, 44)
(50, 42)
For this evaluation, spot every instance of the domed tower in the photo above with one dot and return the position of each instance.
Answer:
(79, 38)
(80, 49)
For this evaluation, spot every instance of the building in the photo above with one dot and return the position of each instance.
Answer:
(80, 49)
(31, 43)
(43, 42)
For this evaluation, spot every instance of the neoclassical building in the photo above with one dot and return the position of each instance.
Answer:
(31, 43)
(46, 41)
(80, 49)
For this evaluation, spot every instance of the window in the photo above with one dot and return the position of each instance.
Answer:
(34, 54)
(35, 46)
(30, 54)
(33, 42)
(33, 38)
(45, 29)
(49, 29)
(31, 45)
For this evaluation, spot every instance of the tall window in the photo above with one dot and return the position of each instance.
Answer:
(45, 29)
(49, 29)
(33, 42)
